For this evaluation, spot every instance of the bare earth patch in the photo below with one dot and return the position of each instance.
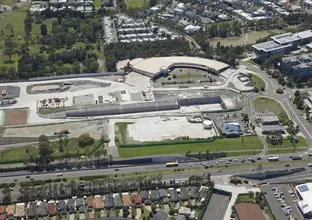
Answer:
(15, 117)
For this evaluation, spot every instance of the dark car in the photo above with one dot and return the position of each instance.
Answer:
(287, 165)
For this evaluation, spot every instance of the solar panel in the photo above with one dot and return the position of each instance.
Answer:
(303, 188)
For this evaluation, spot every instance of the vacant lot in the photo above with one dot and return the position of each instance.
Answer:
(95, 128)
(264, 104)
(249, 38)
(167, 128)
(15, 117)
(219, 145)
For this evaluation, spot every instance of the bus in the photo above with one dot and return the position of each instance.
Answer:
(271, 159)
(172, 164)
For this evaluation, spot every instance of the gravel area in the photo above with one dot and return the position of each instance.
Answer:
(164, 128)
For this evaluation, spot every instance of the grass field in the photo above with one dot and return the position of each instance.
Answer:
(97, 3)
(135, 3)
(263, 104)
(251, 38)
(244, 198)
(224, 144)
(7, 2)
(286, 143)
(19, 154)
(258, 81)
(269, 213)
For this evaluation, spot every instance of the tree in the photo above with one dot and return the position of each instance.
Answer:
(152, 3)
(259, 168)
(45, 151)
(85, 140)
(279, 91)
(309, 83)
(9, 27)
(43, 29)
(12, 72)
(9, 48)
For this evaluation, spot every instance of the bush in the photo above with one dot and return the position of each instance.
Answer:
(279, 91)
(85, 140)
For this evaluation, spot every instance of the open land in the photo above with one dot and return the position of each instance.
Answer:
(264, 104)
(166, 128)
(251, 38)
(219, 145)
(96, 128)
(70, 150)
(15, 117)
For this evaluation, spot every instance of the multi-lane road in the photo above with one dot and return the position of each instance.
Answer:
(284, 99)
(233, 168)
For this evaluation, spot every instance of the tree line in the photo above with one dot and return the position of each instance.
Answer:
(115, 52)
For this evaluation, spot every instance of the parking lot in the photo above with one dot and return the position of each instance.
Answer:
(282, 201)
(217, 207)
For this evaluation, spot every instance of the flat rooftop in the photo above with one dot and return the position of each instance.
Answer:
(269, 46)
(155, 64)
(290, 37)
(269, 118)
(305, 191)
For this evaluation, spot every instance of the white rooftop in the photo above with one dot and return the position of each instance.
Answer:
(153, 65)
(305, 191)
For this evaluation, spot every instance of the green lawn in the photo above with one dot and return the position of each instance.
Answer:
(48, 22)
(15, 18)
(285, 151)
(192, 75)
(97, 3)
(7, 2)
(270, 214)
(135, 3)
(244, 198)
(286, 143)
(19, 154)
(258, 81)
(264, 104)
(223, 144)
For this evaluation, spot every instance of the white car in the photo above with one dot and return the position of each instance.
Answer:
(59, 174)
(310, 165)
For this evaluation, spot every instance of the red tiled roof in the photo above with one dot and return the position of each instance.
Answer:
(136, 198)
(2, 209)
(51, 208)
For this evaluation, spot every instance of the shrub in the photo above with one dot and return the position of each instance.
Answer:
(85, 140)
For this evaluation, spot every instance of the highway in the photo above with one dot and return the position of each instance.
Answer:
(234, 168)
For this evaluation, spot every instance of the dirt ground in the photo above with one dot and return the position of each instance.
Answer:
(15, 117)
(95, 128)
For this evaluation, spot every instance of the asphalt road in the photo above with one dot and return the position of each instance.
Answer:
(293, 112)
(230, 170)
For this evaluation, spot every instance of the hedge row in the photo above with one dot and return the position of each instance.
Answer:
(162, 143)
